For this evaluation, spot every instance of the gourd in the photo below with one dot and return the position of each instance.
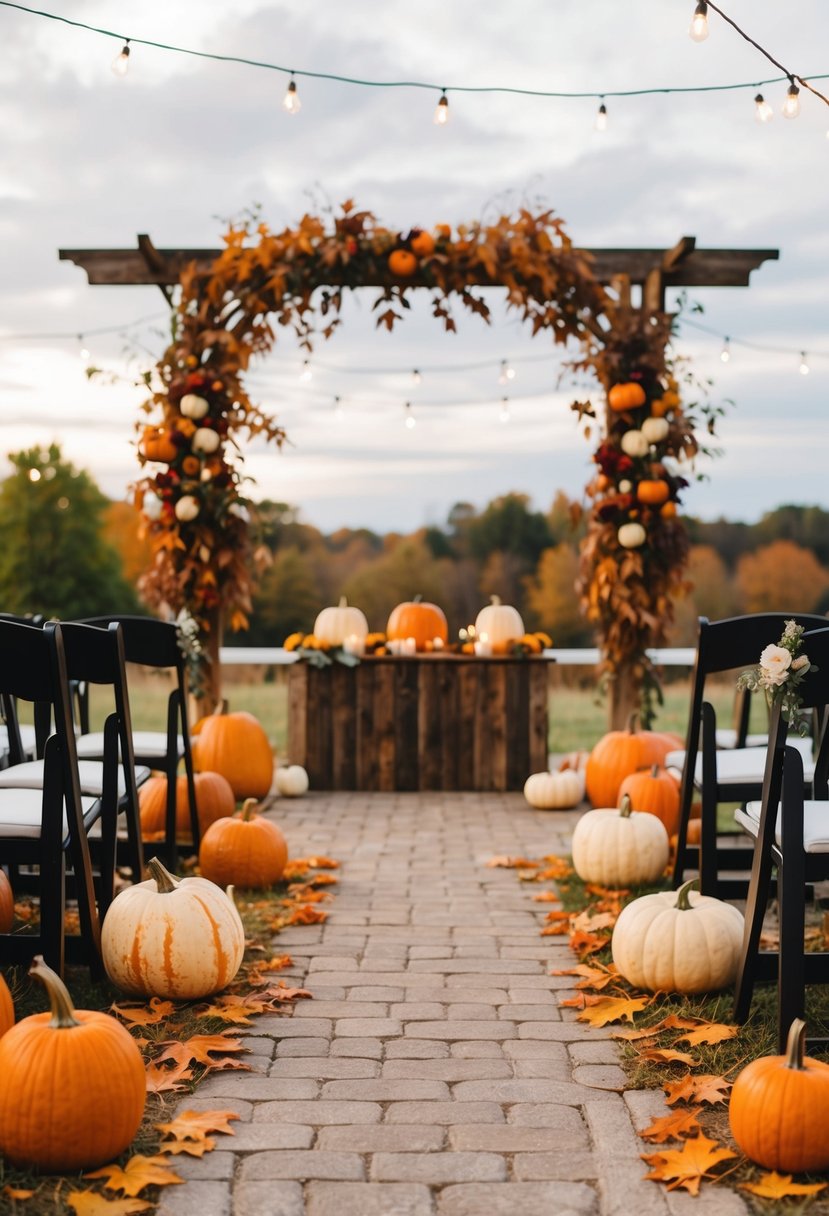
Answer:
(247, 850)
(501, 623)
(419, 620)
(193, 406)
(157, 444)
(656, 792)
(187, 508)
(74, 1085)
(554, 791)
(179, 939)
(676, 941)
(236, 746)
(627, 396)
(634, 443)
(214, 799)
(777, 1109)
(6, 1008)
(205, 440)
(402, 263)
(619, 847)
(653, 493)
(291, 781)
(334, 625)
(6, 903)
(620, 753)
(655, 429)
(632, 535)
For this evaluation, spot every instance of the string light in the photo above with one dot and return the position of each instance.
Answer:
(290, 102)
(506, 373)
(791, 106)
(804, 365)
(411, 421)
(416, 377)
(762, 110)
(725, 353)
(307, 373)
(441, 116)
(601, 117)
(338, 409)
(120, 64)
(698, 30)
(503, 413)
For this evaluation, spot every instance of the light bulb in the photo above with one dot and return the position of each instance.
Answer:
(306, 374)
(441, 117)
(699, 23)
(725, 353)
(290, 102)
(83, 353)
(601, 118)
(762, 110)
(411, 421)
(338, 408)
(503, 413)
(121, 62)
(34, 474)
(791, 106)
(506, 373)
(416, 377)
(804, 366)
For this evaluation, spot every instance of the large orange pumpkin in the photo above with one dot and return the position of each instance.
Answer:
(620, 753)
(156, 444)
(415, 619)
(402, 263)
(236, 746)
(69, 1101)
(6, 1008)
(214, 798)
(654, 790)
(245, 851)
(6, 904)
(628, 396)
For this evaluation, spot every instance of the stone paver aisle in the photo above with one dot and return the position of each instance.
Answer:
(433, 1073)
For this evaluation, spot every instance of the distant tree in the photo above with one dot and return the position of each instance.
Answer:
(552, 603)
(509, 526)
(806, 526)
(503, 575)
(288, 599)
(405, 571)
(781, 577)
(729, 538)
(54, 558)
(122, 530)
(712, 594)
(565, 520)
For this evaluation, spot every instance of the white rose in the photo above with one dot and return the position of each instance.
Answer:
(775, 662)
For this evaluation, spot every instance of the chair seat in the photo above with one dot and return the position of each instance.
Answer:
(145, 743)
(743, 765)
(90, 773)
(27, 738)
(815, 824)
(727, 738)
(21, 813)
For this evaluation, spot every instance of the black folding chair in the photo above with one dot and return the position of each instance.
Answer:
(723, 775)
(792, 833)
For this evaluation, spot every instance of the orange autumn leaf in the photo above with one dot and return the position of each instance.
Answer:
(93, 1203)
(675, 1126)
(780, 1186)
(305, 890)
(617, 894)
(323, 863)
(675, 1021)
(512, 863)
(195, 1124)
(149, 1014)
(666, 1055)
(323, 880)
(704, 1088)
(601, 1010)
(139, 1173)
(579, 1001)
(200, 1048)
(192, 1148)
(687, 1166)
(14, 1192)
(596, 976)
(594, 924)
(556, 930)
(546, 897)
(587, 943)
(306, 915)
(167, 1080)
(276, 964)
(556, 867)
(672, 1022)
(709, 1032)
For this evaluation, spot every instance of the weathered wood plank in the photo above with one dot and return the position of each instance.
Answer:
(405, 724)
(468, 676)
(429, 726)
(343, 728)
(539, 715)
(298, 714)
(384, 711)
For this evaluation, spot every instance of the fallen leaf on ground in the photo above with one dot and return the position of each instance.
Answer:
(15, 1192)
(586, 920)
(614, 893)
(200, 1049)
(587, 943)
(579, 1001)
(601, 1010)
(148, 1014)
(780, 1186)
(595, 976)
(192, 1148)
(687, 1166)
(704, 1088)
(675, 1126)
(167, 1080)
(93, 1203)
(195, 1124)
(323, 863)
(306, 915)
(138, 1173)
(666, 1055)
(556, 929)
(512, 863)
(546, 897)
(556, 867)
(672, 1022)
(710, 1032)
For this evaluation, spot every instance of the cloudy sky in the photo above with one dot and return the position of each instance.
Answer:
(88, 159)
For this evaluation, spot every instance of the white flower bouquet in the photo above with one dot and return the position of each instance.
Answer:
(781, 670)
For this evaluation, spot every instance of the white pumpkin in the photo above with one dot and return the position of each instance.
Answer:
(291, 781)
(151, 506)
(500, 622)
(619, 847)
(678, 941)
(193, 406)
(205, 440)
(632, 535)
(334, 625)
(634, 443)
(177, 939)
(187, 508)
(555, 791)
(655, 429)
(625, 486)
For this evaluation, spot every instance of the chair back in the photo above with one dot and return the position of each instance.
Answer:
(147, 641)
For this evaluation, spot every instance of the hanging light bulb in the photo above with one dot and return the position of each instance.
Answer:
(804, 365)
(699, 23)
(601, 118)
(83, 353)
(121, 62)
(290, 102)
(339, 412)
(306, 374)
(506, 373)
(503, 413)
(725, 353)
(416, 377)
(762, 110)
(411, 421)
(791, 106)
(441, 117)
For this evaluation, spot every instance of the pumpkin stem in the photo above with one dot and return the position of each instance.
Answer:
(795, 1044)
(343, 602)
(221, 708)
(418, 599)
(164, 880)
(248, 807)
(625, 807)
(655, 771)
(683, 904)
(63, 1011)
(495, 600)
(633, 721)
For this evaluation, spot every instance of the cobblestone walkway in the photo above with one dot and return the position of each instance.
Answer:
(433, 1073)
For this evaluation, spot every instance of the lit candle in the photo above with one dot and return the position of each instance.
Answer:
(354, 644)
(410, 646)
(437, 643)
(483, 646)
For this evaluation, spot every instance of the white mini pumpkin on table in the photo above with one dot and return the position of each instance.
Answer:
(500, 623)
(620, 847)
(333, 625)
(559, 791)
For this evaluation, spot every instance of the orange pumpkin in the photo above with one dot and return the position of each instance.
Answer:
(246, 850)
(236, 746)
(775, 1109)
(694, 832)
(668, 510)
(214, 798)
(422, 243)
(6, 904)
(402, 263)
(620, 753)
(415, 619)
(68, 1102)
(156, 444)
(6, 1008)
(654, 493)
(190, 465)
(627, 396)
(654, 790)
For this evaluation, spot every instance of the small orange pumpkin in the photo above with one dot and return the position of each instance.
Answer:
(668, 510)
(422, 243)
(620, 753)
(419, 620)
(190, 465)
(6, 1008)
(246, 850)
(236, 746)
(157, 444)
(6, 904)
(654, 493)
(627, 396)
(654, 790)
(214, 798)
(402, 263)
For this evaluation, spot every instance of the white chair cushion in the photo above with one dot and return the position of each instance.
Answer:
(815, 824)
(144, 742)
(727, 737)
(675, 760)
(747, 764)
(27, 738)
(90, 773)
(21, 813)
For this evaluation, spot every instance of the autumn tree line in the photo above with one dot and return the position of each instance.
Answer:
(70, 552)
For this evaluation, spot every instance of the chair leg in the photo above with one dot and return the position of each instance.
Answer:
(756, 904)
(52, 908)
(171, 847)
(791, 983)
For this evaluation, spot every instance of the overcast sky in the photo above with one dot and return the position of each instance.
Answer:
(87, 159)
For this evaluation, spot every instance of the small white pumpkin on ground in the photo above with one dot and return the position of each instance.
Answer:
(620, 847)
(555, 791)
(291, 781)
(678, 941)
